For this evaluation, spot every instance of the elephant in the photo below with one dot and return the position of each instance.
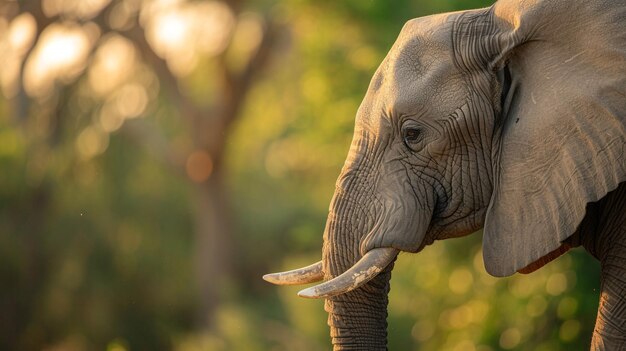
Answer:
(510, 118)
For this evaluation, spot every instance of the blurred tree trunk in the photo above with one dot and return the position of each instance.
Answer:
(210, 129)
(207, 127)
(213, 246)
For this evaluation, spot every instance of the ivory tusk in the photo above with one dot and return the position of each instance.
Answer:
(368, 267)
(305, 275)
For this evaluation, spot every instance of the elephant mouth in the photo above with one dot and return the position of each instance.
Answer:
(366, 269)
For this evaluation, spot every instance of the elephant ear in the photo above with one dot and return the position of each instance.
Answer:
(562, 140)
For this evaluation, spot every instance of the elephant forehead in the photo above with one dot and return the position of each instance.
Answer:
(417, 70)
(437, 93)
(414, 57)
(415, 53)
(435, 84)
(419, 64)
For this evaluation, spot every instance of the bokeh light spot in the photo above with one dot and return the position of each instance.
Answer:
(22, 32)
(59, 54)
(423, 330)
(569, 330)
(61, 50)
(131, 100)
(110, 119)
(179, 32)
(199, 166)
(91, 142)
(314, 87)
(113, 61)
(510, 338)
(460, 281)
(460, 317)
(556, 284)
(479, 310)
(172, 29)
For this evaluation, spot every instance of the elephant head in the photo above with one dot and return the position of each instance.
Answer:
(509, 118)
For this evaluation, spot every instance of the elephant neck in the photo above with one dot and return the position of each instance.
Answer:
(600, 231)
(603, 234)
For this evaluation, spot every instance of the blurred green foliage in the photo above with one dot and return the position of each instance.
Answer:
(98, 253)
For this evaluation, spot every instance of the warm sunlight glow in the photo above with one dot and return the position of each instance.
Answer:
(179, 32)
(131, 100)
(60, 53)
(172, 30)
(214, 24)
(63, 50)
(113, 61)
(91, 142)
(15, 41)
(22, 33)
(110, 119)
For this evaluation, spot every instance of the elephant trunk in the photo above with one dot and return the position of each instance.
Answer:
(370, 221)
(358, 318)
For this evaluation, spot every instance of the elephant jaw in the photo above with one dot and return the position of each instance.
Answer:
(366, 269)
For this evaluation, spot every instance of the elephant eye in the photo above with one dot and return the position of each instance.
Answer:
(411, 136)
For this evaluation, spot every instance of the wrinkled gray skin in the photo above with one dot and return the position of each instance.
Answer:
(510, 118)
